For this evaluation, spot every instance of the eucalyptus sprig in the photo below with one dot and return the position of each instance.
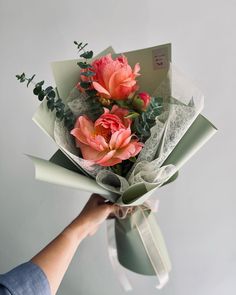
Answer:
(86, 68)
(143, 123)
(49, 93)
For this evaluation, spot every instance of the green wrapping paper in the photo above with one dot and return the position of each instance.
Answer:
(66, 169)
(130, 248)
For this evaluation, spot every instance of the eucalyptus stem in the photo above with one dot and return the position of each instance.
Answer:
(84, 65)
(49, 93)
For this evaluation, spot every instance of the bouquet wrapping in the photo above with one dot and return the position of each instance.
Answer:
(177, 132)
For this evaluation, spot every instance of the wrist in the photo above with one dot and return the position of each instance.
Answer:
(77, 230)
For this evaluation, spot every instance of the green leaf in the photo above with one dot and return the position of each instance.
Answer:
(48, 89)
(117, 169)
(78, 44)
(50, 104)
(146, 121)
(132, 115)
(91, 92)
(59, 104)
(30, 80)
(37, 89)
(85, 85)
(83, 65)
(40, 83)
(88, 74)
(41, 95)
(60, 114)
(68, 113)
(87, 54)
(21, 77)
(159, 99)
(69, 122)
(132, 159)
(51, 94)
(83, 46)
(122, 104)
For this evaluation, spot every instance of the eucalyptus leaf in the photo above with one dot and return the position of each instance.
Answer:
(39, 83)
(30, 80)
(50, 105)
(85, 85)
(37, 90)
(146, 121)
(41, 95)
(88, 74)
(84, 65)
(87, 54)
(91, 92)
(82, 47)
(51, 94)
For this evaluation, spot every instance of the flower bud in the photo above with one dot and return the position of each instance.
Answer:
(141, 101)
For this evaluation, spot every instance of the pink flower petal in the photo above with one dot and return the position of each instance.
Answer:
(89, 153)
(112, 143)
(138, 148)
(107, 157)
(101, 142)
(126, 141)
(86, 126)
(129, 151)
(93, 143)
(111, 162)
(136, 69)
(101, 90)
(109, 69)
(117, 78)
(128, 83)
(122, 137)
(79, 135)
(126, 152)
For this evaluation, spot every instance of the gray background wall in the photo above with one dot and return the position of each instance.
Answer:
(197, 212)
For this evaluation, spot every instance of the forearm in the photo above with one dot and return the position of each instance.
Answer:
(55, 258)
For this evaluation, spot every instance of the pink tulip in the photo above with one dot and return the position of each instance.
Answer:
(107, 141)
(114, 79)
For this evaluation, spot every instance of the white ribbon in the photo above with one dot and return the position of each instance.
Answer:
(153, 250)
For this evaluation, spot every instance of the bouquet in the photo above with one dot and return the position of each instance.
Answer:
(124, 125)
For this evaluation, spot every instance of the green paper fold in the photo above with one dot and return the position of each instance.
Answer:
(53, 173)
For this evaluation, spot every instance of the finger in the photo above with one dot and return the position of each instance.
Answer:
(111, 216)
(97, 199)
(111, 210)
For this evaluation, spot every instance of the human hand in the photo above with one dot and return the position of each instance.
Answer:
(93, 214)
